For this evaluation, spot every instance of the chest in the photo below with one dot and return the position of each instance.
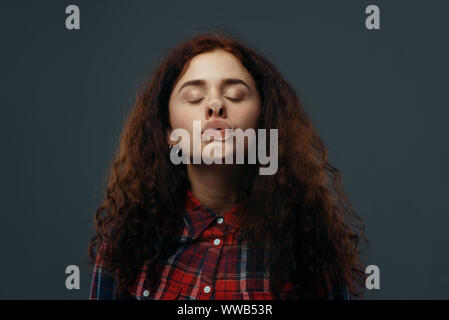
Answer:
(213, 266)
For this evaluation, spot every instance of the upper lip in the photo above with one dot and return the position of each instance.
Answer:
(216, 124)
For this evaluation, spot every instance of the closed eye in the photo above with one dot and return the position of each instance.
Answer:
(196, 101)
(234, 99)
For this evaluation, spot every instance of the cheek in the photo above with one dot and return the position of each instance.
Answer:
(181, 118)
(247, 117)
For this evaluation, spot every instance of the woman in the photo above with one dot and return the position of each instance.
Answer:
(222, 231)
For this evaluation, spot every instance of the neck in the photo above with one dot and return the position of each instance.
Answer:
(216, 186)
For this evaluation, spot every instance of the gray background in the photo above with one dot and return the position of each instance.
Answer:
(377, 98)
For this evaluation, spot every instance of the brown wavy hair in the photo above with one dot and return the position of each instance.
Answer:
(302, 209)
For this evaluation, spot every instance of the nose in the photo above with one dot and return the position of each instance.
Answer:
(216, 109)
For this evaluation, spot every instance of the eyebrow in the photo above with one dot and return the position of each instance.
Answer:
(200, 82)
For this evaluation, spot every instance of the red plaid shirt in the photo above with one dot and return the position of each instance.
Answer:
(207, 262)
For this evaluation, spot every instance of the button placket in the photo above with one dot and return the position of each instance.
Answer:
(214, 237)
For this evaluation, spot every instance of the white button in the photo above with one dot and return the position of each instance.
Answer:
(217, 242)
(220, 220)
(146, 293)
(206, 289)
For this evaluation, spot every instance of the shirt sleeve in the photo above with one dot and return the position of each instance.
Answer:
(104, 281)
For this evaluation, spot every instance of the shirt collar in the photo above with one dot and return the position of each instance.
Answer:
(199, 217)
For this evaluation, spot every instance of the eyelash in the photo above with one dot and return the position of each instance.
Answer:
(196, 101)
(234, 99)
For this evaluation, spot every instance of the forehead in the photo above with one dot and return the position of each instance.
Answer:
(215, 65)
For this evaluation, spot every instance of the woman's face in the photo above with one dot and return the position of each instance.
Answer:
(218, 91)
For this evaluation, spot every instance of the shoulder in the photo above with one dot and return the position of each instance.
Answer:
(329, 285)
(104, 277)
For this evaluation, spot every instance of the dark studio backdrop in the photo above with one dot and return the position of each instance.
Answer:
(377, 97)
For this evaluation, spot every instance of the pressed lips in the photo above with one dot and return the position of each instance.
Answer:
(216, 125)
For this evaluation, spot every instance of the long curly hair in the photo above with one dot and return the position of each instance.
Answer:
(302, 209)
